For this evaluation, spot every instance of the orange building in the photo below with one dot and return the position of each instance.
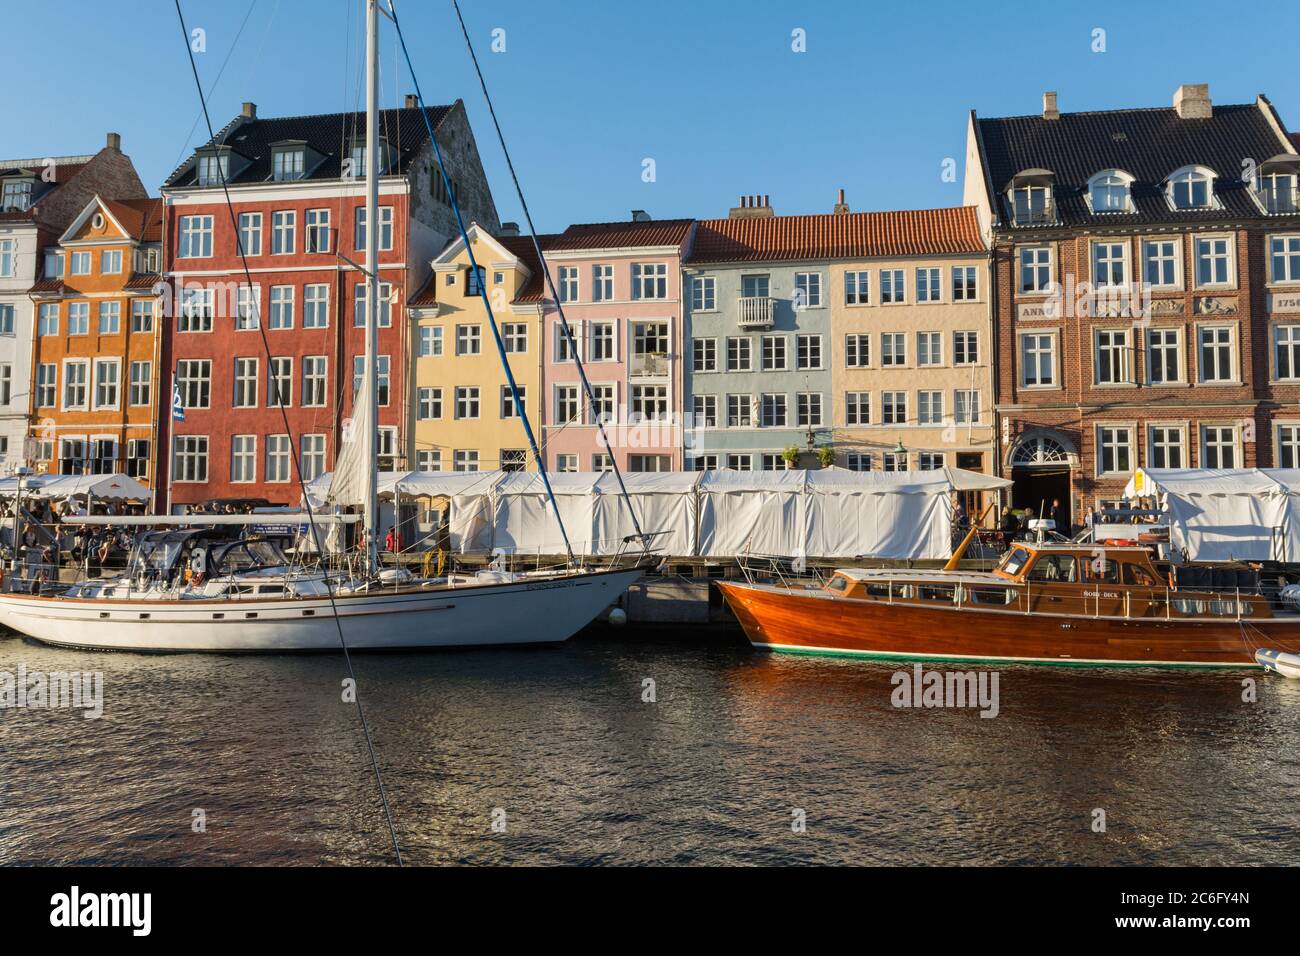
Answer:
(95, 369)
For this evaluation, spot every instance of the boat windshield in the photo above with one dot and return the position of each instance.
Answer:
(248, 556)
(1014, 561)
(155, 553)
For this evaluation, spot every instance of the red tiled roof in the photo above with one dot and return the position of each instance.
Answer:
(426, 295)
(622, 235)
(142, 280)
(141, 218)
(53, 286)
(855, 235)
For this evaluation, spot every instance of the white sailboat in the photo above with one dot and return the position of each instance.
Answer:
(204, 587)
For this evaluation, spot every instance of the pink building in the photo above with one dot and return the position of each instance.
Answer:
(620, 285)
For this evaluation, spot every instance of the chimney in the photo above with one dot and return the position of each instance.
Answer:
(412, 101)
(114, 142)
(640, 215)
(509, 229)
(1050, 112)
(249, 111)
(1192, 101)
(840, 207)
(757, 206)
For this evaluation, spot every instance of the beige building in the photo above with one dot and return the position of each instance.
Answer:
(911, 346)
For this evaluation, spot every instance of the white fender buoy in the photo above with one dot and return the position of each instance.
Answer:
(618, 617)
(1279, 662)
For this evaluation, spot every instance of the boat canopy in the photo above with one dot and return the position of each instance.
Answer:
(1227, 514)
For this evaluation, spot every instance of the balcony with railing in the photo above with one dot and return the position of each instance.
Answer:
(755, 311)
(649, 365)
(1279, 198)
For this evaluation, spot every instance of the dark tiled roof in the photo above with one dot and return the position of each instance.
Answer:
(141, 218)
(855, 235)
(1150, 144)
(329, 134)
(622, 235)
(64, 171)
(1295, 140)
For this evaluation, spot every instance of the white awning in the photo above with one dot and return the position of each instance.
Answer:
(113, 487)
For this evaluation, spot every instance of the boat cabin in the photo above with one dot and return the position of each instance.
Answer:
(1059, 579)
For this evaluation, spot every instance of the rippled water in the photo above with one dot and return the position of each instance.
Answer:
(586, 772)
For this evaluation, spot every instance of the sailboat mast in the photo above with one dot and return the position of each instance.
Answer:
(370, 428)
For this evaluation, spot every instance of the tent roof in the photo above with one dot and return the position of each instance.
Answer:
(1185, 482)
(112, 487)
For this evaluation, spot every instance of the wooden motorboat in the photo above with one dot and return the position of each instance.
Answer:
(1056, 603)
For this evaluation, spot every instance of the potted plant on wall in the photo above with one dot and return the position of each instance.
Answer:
(826, 456)
(791, 456)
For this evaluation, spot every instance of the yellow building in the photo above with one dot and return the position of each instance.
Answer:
(463, 413)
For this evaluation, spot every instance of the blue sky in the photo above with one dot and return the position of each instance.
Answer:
(711, 90)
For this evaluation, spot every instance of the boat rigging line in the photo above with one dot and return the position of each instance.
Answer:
(479, 275)
(293, 452)
(455, 205)
(546, 272)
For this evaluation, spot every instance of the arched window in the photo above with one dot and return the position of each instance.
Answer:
(1108, 191)
(1192, 187)
(1038, 450)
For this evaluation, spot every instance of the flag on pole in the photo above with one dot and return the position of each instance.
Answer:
(178, 409)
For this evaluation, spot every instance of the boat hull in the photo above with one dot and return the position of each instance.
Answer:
(525, 612)
(814, 622)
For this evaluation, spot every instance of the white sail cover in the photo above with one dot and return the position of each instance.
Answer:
(352, 475)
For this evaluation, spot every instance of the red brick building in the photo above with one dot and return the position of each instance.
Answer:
(1147, 281)
(298, 197)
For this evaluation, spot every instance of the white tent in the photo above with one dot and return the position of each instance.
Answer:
(523, 520)
(825, 513)
(666, 507)
(1247, 514)
(889, 514)
(751, 512)
(113, 487)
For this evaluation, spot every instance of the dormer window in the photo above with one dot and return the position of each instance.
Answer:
(1108, 191)
(357, 158)
(1191, 188)
(214, 169)
(1276, 185)
(1030, 196)
(288, 163)
(17, 196)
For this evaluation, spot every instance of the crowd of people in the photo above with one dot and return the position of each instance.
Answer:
(49, 543)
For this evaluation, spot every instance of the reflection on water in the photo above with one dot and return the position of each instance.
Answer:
(586, 772)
